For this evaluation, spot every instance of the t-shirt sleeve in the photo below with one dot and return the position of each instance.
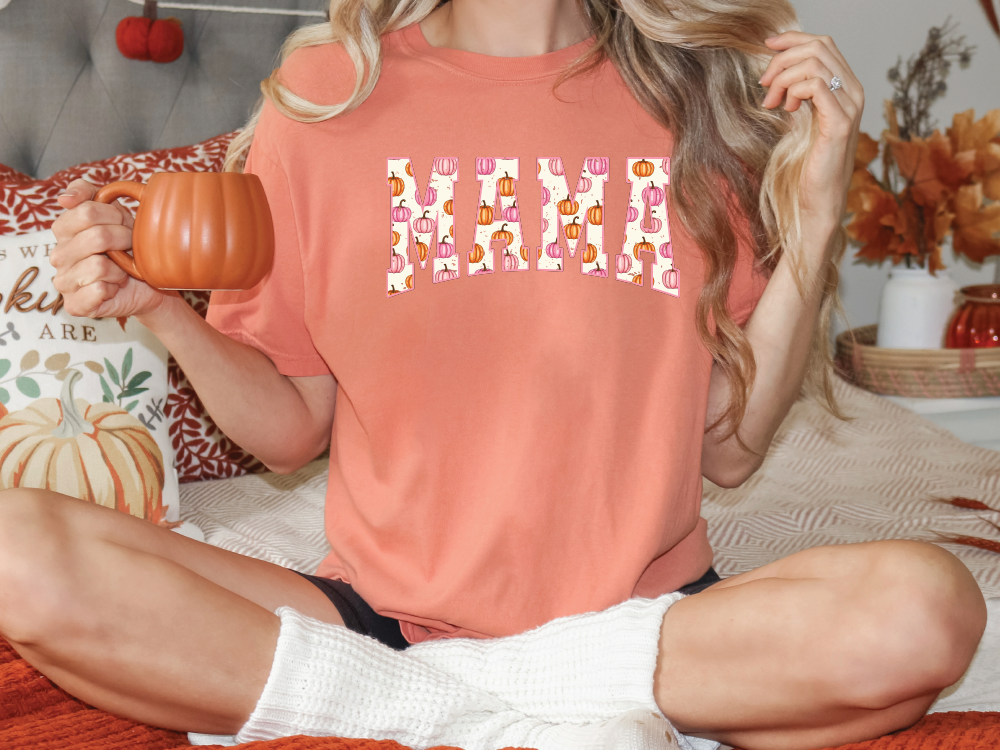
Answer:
(271, 317)
(749, 279)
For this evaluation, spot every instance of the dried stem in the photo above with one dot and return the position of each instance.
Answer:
(923, 81)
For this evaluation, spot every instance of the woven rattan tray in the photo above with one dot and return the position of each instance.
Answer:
(920, 373)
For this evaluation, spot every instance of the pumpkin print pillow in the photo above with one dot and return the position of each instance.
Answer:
(81, 400)
(201, 450)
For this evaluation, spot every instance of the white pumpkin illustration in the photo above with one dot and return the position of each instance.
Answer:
(96, 452)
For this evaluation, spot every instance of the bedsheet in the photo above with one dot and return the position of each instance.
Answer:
(824, 481)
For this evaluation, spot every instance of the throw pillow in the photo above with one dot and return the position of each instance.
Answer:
(81, 400)
(29, 205)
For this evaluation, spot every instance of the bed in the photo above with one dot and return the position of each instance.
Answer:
(881, 475)
(886, 473)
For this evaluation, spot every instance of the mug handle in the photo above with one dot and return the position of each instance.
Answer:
(108, 193)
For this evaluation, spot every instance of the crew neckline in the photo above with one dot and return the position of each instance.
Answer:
(490, 66)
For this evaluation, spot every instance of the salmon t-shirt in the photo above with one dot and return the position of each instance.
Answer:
(488, 268)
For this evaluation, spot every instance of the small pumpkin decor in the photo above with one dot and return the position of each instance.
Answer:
(147, 37)
(476, 254)
(572, 229)
(639, 247)
(976, 323)
(568, 207)
(503, 234)
(445, 249)
(397, 184)
(505, 185)
(96, 452)
(421, 248)
(401, 212)
(445, 165)
(598, 164)
(652, 195)
(423, 224)
(642, 168)
(485, 215)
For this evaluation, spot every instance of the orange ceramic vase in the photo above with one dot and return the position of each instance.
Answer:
(976, 323)
(197, 230)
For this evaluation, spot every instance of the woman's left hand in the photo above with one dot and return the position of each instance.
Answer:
(803, 68)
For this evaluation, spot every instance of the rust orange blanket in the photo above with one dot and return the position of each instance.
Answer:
(36, 715)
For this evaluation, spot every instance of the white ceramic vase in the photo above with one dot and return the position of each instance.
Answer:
(915, 308)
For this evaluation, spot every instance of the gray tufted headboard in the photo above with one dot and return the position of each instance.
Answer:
(68, 96)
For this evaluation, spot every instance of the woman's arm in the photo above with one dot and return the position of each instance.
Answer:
(780, 331)
(283, 421)
(783, 323)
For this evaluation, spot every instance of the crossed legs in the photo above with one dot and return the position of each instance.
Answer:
(138, 620)
(826, 646)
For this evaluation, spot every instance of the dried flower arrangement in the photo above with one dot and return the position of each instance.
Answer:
(932, 184)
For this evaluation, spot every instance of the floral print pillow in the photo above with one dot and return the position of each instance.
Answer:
(28, 205)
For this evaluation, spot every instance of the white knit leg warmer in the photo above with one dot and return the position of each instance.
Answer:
(577, 669)
(329, 681)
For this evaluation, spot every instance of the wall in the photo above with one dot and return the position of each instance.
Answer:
(872, 34)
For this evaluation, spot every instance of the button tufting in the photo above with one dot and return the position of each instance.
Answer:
(82, 101)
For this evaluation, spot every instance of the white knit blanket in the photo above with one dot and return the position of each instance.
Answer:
(824, 482)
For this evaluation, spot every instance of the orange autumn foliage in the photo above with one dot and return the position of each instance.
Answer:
(947, 184)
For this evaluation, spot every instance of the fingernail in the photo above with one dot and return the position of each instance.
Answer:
(770, 39)
(68, 194)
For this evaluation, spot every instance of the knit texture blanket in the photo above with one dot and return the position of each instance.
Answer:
(36, 715)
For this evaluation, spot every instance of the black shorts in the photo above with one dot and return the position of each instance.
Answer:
(361, 618)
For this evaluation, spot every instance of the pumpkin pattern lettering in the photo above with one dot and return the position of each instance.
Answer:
(420, 221)
(564, 209)
(497, 184)
(647, 227)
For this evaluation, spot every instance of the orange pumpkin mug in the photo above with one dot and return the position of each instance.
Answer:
(196, 230)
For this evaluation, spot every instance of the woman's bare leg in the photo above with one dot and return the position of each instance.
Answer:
(138, 620)
(826, 646)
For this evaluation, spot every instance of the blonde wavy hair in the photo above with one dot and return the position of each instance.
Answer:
(693, 65)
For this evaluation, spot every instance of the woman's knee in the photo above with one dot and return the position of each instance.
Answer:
(34, 561)
(914, 617)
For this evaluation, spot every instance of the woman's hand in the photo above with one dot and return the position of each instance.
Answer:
(227, 374)
(91, 284)
(803, 69)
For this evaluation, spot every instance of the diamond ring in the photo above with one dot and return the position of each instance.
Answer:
(835, 83)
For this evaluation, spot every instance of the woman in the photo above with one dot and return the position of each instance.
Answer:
(515, 438)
